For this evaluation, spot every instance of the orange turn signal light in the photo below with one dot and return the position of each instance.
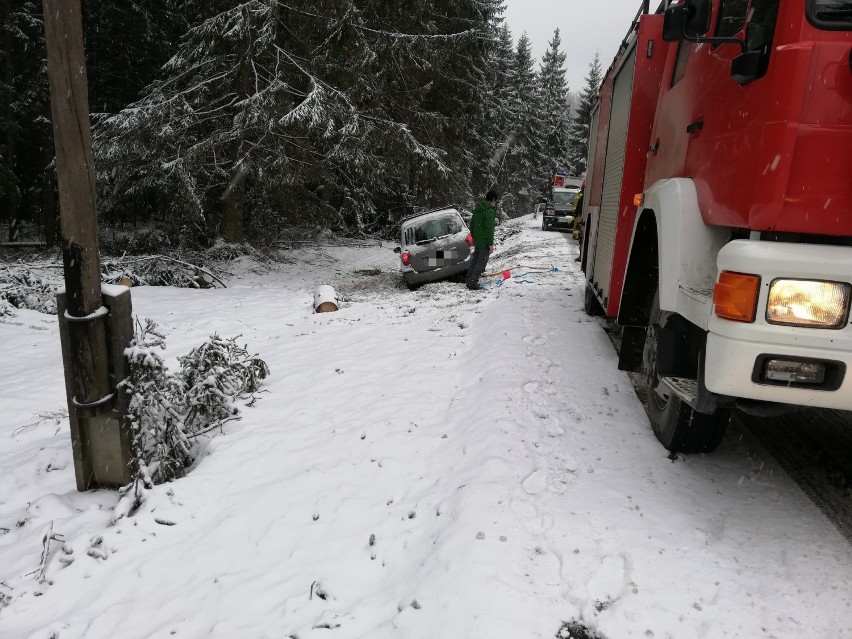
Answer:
(735, 296)
(639, 199)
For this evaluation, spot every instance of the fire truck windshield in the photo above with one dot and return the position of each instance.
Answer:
(831, 14)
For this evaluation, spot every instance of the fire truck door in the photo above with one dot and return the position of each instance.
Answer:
(708, 126)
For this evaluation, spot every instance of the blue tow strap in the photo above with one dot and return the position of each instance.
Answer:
(500, 282)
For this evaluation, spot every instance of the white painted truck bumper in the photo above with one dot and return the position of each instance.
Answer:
(735, 349)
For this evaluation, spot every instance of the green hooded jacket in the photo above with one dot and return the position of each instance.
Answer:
(482, 224)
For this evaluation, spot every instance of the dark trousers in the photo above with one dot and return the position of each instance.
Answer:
(478, 261)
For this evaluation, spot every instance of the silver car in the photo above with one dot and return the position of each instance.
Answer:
(433, 246)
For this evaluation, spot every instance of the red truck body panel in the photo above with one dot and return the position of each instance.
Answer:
(772, 155)
(650, 61)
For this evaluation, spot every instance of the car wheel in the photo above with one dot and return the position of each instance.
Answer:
(678, 427)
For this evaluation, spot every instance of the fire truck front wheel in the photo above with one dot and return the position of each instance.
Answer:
(678, 427)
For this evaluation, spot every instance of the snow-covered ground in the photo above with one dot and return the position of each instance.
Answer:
(439, 464)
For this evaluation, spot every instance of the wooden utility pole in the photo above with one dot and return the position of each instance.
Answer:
(101, 448)
(66, 71)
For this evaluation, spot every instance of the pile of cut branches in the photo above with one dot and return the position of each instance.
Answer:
(22, 287)
(33, 284)
(168, 410)
(158, 270)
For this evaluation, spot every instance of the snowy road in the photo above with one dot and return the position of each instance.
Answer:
(814, 447)
(437, 464)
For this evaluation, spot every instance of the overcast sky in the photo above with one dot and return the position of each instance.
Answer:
(585, 27)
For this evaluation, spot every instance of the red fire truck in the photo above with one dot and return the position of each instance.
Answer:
(719, 210)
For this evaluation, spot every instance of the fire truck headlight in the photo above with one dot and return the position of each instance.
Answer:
(808, 303)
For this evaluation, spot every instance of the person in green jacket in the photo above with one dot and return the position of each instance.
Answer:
(482, 229)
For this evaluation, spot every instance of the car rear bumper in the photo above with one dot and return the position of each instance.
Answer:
(565, 222)
(433, 275)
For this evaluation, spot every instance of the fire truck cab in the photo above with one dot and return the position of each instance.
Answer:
(719, 210)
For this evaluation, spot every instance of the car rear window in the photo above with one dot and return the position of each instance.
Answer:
(431, 228)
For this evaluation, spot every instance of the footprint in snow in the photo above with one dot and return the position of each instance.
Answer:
(535, 483)
(608, 582)
(543, 362)
(570, 463)
(552, 427)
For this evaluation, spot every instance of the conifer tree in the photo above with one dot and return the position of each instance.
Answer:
(496, 130)
(556, 119)
(349, 109)
(424, 79)
(524, 157)
(579, 142)
(189, 143)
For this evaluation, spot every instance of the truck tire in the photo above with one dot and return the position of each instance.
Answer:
(678, 427)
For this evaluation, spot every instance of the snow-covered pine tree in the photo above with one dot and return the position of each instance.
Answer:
(556, 111)
(524, 157)
(279, 108)
(457, 92)
(156, 410)
(413, 76)
(216, 373)
(496, 130)
(219, 117)
(579, 143)
(168, 410)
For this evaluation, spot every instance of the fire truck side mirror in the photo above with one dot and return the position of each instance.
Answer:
(673, 23)
(688, 20)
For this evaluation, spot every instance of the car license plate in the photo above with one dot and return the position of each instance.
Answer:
(443, 257)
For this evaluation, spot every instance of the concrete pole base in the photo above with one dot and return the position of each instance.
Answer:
(100, 435)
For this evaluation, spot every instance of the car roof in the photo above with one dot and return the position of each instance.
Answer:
(427, 214)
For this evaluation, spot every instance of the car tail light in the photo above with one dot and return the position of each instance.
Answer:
(405, 256)
(469, 239)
